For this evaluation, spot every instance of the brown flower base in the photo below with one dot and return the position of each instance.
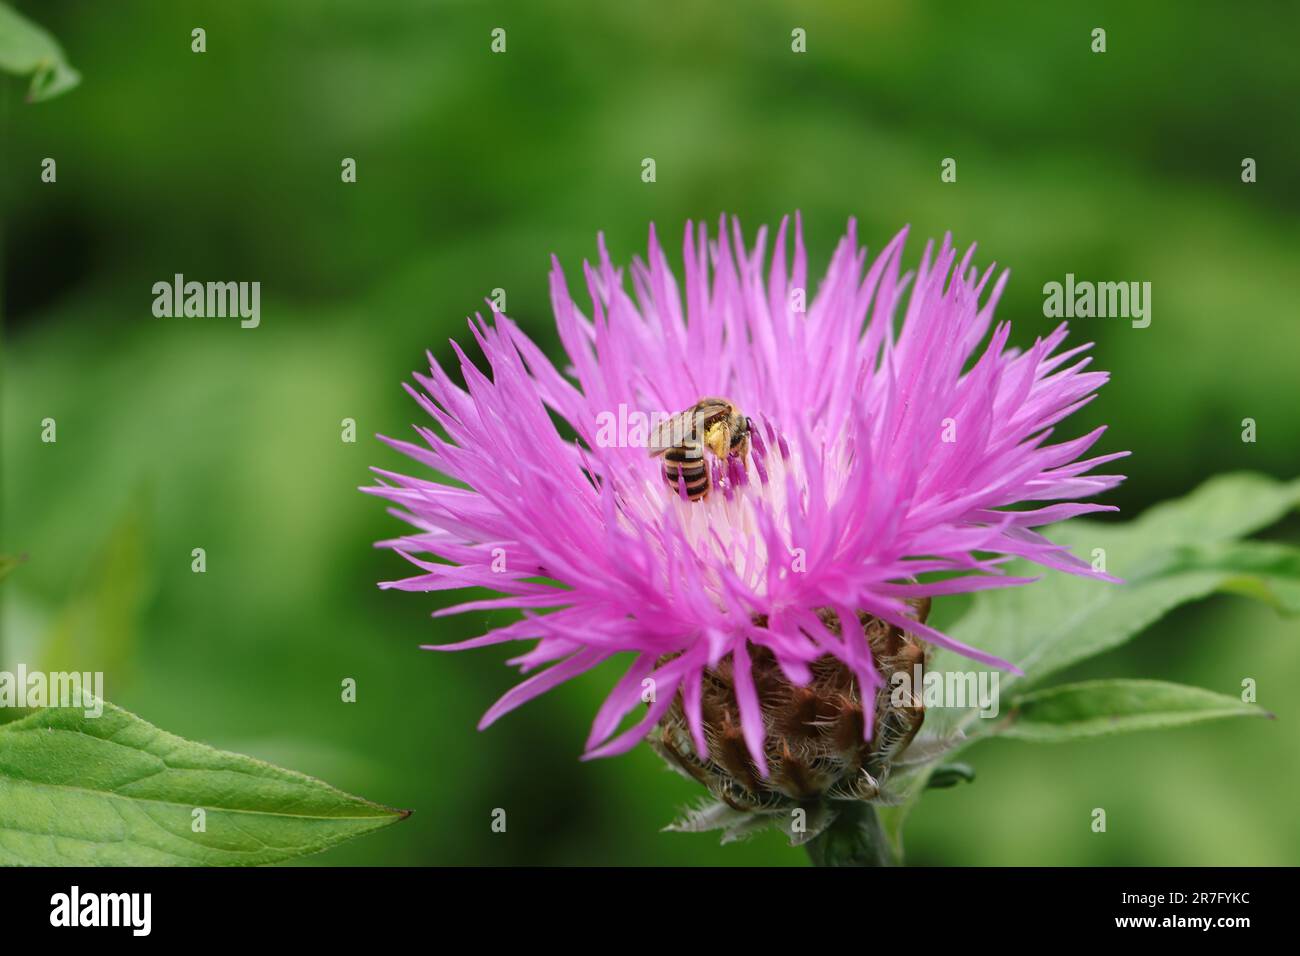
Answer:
(813, 735)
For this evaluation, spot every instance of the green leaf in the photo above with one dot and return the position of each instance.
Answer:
(1267, 571)
(1175, 552)
(27, 50)
(1099, 707)
(116, 791)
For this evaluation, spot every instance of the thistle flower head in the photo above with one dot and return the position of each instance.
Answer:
(897, 449)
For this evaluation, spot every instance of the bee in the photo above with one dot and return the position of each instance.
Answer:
(712, 424)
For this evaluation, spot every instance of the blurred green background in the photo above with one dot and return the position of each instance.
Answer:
(472, 169)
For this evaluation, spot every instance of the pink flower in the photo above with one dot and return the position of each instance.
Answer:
(885, 449)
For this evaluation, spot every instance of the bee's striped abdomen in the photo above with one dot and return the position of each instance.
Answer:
(684, 465)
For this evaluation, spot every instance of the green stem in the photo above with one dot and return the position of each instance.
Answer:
(856, 838)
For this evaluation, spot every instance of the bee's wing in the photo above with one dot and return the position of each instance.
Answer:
(672, 432)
